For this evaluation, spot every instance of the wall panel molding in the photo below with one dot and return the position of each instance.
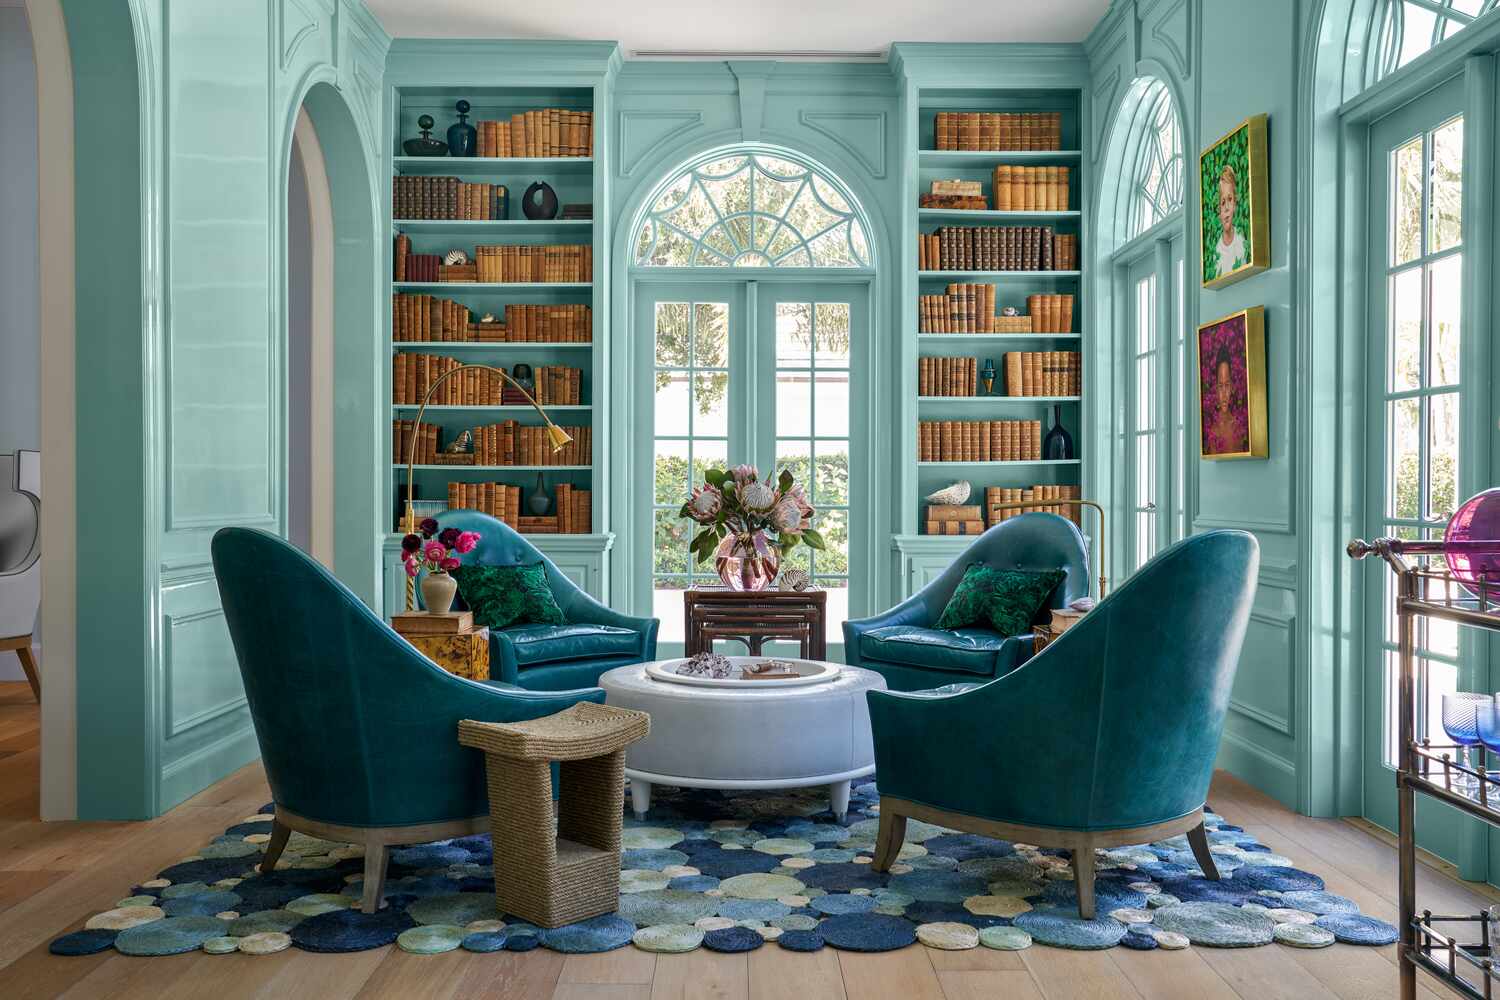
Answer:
(643, 135)
(861, 134)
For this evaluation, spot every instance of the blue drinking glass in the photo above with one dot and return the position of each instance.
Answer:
(1461, 723)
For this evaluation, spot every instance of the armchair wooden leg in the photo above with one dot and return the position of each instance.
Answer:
(889, 838)
(1083, 874)
(1198, 841)
(28, 664)
(280, 832)
(374, 885)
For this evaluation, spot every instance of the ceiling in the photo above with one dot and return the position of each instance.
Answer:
(753, 28)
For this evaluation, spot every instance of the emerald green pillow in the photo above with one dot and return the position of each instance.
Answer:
(502, 596)
(1004, 599)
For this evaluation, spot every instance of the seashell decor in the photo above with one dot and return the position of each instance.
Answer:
(793, 578)
(455, 257)
(955, 494)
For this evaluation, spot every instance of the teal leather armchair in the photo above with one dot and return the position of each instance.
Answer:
(1105, 738)
(358, 731)
(903, 647)
(552, 657)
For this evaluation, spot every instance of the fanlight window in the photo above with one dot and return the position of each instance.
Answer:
(1408, 28)
(1158, 171)
(751, 210)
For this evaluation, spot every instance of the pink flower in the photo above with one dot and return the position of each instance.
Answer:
(435, 551)
(757, 497)
(705, 504)
(450, 564)
(466, 541)
(411, 567)
(786, 515)
(743, 474)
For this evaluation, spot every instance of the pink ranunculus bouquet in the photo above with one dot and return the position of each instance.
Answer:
(436, 550)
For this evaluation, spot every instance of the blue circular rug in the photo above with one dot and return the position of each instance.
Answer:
(83, 942)
(950, 913)
(1321, 903)
(350, 930)
(842, 876)
(429, 856)
(654, 858)
(1259, 877)
(753, 909)
(1062, 927)
(203, 904)
(168, 936)
(1203, 890)
(1356, 928)
(804, 940)
(867, 932)
(1216, 925)
(938, 886)
(605, 933)
(523, 942)
(732, 939)
(693, 883)
(485, 941)
(666, 906)
(726, 864)
(966, 846)
(837, 903)
(1139, 938)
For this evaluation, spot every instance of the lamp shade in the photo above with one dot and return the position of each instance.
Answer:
(1476, 520)
(557, 436)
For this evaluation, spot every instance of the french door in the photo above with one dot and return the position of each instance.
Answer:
(759, 372)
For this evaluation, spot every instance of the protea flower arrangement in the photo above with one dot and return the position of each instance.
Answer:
(433, 550)
(749, 525)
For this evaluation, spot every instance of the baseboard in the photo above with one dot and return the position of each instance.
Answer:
(1260, 768)
(184, 778)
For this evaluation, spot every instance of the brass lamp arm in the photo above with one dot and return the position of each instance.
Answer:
(1103, 551)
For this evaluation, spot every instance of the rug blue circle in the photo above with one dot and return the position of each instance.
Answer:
(939, 886)
(653, 858)
(827, 855)
(732, 939)
(841, 877)
(168, 936)
(603, 933)
(245, 829)
(1356, 928)
(693, 883)
(207, 870)
(1139, 938)
(429, 856)
(87, 942)
(727, 864)
(964, 846)
(837, 903)
(256, 895)
(523, 942)
(1259, 877)
(753, 909)
(1203, 890)
(867, 932)
(929, 912)
(485, 941)
(666, 906)
(350, 930)
(1061, 927)
(1108, 895)
(203, 904)
(801, 940)
(1321, 903)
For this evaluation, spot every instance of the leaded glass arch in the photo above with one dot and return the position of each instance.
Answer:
(751, 209)
(1408, 28)
(1156, 190)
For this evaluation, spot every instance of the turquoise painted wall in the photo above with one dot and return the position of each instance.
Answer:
(183, 127)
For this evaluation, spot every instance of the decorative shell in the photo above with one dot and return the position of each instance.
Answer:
(460, 444)
(955, 494)
(455, 257)
(793, 578)
(1010, 311)
(487, 318)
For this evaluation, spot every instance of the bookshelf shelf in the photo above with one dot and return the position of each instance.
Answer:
(531, 227)
(477, 408)
(497, 166)
(498, 345)
(992, 216)
(1017, 465)
(1031, 276)
(1005, 400)
(960, 159)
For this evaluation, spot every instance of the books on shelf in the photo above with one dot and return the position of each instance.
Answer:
(1036, 497)
(421, 267)
(575, 507)
(947, 376)
(959, 187)
(402, 434)
(966, 202)
(413, 374)
(964, 308)
(954, 519)
(498, 500)
(544, 132)
(1050, 313)
(1043, 373)
(402, 252)
(1003, 130)
(979, 440)
(447, 198)
(1030, 189)
(987, 248)
(421, 317)
(511, 443)
(535, 263)
(1065, 252)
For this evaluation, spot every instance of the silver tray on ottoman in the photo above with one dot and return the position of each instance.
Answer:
(808, 672)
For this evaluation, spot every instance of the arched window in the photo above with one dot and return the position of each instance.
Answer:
(1408, 28)
(751, 209)
(1157, 188)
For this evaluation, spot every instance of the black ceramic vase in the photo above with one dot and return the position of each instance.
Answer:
(427, 145)
(1058, 443)
(463, 138)
(539, 201)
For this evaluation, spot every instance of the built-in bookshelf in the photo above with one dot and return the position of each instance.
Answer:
(996, 323)
(528, 292)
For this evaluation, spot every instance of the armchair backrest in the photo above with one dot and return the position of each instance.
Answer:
(349, 717)
(1034, 541)
(501, 545)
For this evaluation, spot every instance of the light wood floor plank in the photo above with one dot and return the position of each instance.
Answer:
(776, 974)
(1077, 975)
(1161, 973)
(1256, 979)
(626, 965)
(701, 975)
(980, 985)
(975, 960)
(601, 991)
(906, 973)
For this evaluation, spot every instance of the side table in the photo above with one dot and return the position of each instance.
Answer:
(753, 616)
(545, 878)
(453, 642)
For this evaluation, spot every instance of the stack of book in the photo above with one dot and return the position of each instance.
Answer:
(545, 132)
(1004, 130)
(1065, 252)
(1050, 313)
(562, 262)
(1043, 373)
(947, 376)
(498, 500)
(413, 374)
(1030, 189)
(423, 318)
(964, 308)
(960, 194)
(447, 198)
(953, 519)
(553, 385)
(426, 435)
(510, 443)
(582, 212)
(1037, 499)
(986, 248)
(979, 440)
(421, 267)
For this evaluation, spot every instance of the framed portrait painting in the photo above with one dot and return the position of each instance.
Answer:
(1232, 386)
(1234, 205)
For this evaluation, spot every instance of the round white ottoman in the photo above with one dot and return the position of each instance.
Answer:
(747, 737)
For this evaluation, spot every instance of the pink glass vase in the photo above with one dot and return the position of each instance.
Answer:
(1476, 520)
(747, 561)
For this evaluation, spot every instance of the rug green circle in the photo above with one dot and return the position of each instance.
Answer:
(453, 908)
(633, 837)
(229, 849)
(222, 945)
(782, 846)
(1303, 935)
(948, 936)
(666, 906)
(795, 922)
(643, 880)
(1004, 938)
(318, 902)
(430, 939)
(916, 830)
(265, 943)
(184, 889)
(169, 936)
(1216, 925)
(759, 885)
(996, 906)
(264, 921)
(668, 938)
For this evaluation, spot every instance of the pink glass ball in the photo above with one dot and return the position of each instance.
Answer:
(1478, 519)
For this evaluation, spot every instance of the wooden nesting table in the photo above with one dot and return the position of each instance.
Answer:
(752, 617)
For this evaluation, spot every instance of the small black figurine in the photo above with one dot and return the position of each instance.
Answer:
(463, 138)
(427, 145)
(539, 201)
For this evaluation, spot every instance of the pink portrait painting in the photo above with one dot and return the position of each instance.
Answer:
(1224, 387)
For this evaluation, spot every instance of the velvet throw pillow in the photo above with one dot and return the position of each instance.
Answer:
(502, 596)
(1004, 599)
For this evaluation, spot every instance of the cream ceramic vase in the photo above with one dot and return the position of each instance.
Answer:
(438, 589)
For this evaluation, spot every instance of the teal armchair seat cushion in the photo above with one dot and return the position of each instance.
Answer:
(966, 650)
(536, 644)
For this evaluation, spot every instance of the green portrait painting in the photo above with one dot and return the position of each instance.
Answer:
(1233, 189)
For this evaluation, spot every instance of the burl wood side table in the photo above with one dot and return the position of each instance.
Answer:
(752, 617)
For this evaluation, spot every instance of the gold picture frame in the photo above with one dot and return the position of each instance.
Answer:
(1232, 386)
(1234, 168)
